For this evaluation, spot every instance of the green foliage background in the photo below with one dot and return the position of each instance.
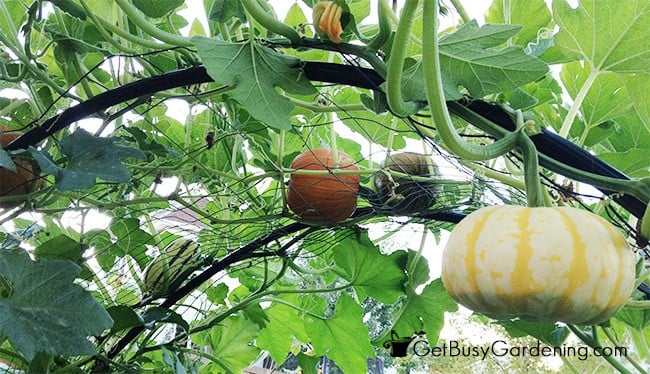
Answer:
(210, 162)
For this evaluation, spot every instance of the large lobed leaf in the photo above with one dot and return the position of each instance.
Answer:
(255, 71)
(230, 342)
(89, 157)
(157, 8)
(421, 311)
(470, 58)
(284, 326)
(45, 310)
(342, 337)
(370, 272)
(611, 35)
(531, 15)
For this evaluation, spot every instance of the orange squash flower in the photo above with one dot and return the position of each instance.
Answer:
(327, 20)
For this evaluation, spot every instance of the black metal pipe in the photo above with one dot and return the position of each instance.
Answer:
(547, 142)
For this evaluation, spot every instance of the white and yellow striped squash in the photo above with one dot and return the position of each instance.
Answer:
(538, 264)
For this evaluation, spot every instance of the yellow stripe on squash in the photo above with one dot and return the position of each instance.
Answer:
(538, 264)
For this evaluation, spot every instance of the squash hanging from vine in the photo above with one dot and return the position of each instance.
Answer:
(19, 182)
(326, 197)
(539, 264)
(404, 194)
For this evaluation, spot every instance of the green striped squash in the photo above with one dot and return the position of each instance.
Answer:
(538, 264)
(175, 262)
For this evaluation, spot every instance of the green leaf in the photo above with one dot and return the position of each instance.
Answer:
(47, 312)
(6, 162)
(520, 99)
(100, 241)
(61, 247)
(607, 98)
(531, 15)
(470, 58)
(308, 364)
(89, 158)
(295, 16)
(610, 34)
(217, 293)
(636, 318)
(631, 132)
(131, 239)
(370, 272)
(635, 162)
(342, 337)
(549, 333)
(165, 315)
(224, 10)
(157, 8)
(231, 343)
(637, 86)
(124, 317)
(424, 311)
(255, 72)
(283, 326)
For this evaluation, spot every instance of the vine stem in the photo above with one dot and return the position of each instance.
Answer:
(385, 28)
(590, 342)
(435, 95)
(612, 338)
(34, 69)
(460, 9)
(136, 16)
(269, 22)
(398, 106)
(534, 191)
(577, 103)
(493, 174)
(644, 228)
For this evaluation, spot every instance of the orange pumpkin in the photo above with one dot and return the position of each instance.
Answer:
(325, 198)
(18, 182)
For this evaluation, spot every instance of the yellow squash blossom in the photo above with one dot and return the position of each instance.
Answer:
(327, 20)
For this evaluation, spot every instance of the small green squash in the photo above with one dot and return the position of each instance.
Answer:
(174, 264)
(539, 264)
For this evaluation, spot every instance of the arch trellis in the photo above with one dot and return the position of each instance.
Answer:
(264, 242)
(556, 149)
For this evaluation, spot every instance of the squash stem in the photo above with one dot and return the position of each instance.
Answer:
(644, 228)
(612, 338)
(534, 191)
(591, 343)
(418, 255)
(398, 106)
(438, 106)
